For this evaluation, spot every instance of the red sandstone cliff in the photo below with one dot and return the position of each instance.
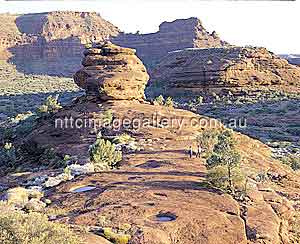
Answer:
(52, 43)
(179, 34)
(219, 70)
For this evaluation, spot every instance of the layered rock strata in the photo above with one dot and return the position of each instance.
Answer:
(112, 72)
(175, 35)
(199, 70)
(51, 43)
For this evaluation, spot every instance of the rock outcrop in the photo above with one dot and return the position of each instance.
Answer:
(51, 43)
(195, 71)
(112, 72)
(158, 191)
(179, 34)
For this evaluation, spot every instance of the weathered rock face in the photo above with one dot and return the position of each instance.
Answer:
(51, 43)
(199, 70)
(112, 72)
(179, 34)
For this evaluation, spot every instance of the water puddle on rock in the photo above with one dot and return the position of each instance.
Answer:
(79, 189)
(165, 217)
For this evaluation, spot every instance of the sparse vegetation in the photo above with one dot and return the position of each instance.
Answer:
(21, 92)
(117, 238)
(159, 100)
(199, 100)
(124, 139)
(224, 163)
(207, 139)
(103, 155)
(51, 105)
(107, 117)
(169, 102)
(8, 155)
(34, 228)
(292, 160)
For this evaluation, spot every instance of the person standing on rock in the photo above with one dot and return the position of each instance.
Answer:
(199, 150)
(191, 151)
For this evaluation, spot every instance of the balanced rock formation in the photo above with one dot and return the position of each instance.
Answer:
(51, 43)
(196, 71)
(112, 72)
(175, 35)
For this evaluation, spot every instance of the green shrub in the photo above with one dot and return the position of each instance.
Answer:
(116, 238)
(103, 155)
(88, 45)
(17, 227)
(169, 102)
(123, 139)
(224, 163)
(207, 140)
(107, 117)
(22, 117)
(219, 177)
(199, 100)
(159, 100)
(51, 105)
(292, 160)
(8, 155)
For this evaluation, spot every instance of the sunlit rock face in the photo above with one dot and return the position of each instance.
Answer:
(171, 36)
(112, 72)
(51, 43)
(198, 70)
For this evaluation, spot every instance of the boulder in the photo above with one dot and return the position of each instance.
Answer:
(112, 73)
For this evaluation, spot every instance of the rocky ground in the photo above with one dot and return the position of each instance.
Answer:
(157, 193)
(162, 193)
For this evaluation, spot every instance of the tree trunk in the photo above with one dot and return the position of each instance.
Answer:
(230, 179)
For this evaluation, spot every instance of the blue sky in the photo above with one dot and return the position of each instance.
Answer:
(274, 25)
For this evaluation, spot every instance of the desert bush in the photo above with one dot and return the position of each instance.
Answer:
(103, 155)
(207, 140)
(88, 45)
(169, 102)
(224, 163)
(21, 117)
(262, 177)
(159, 100)
(291, 160)
(123, 139)
(219, 177)
(51, 105)
(117, 238)
(199, 100)
(17, 227)
(107, 117)
(8, 155)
